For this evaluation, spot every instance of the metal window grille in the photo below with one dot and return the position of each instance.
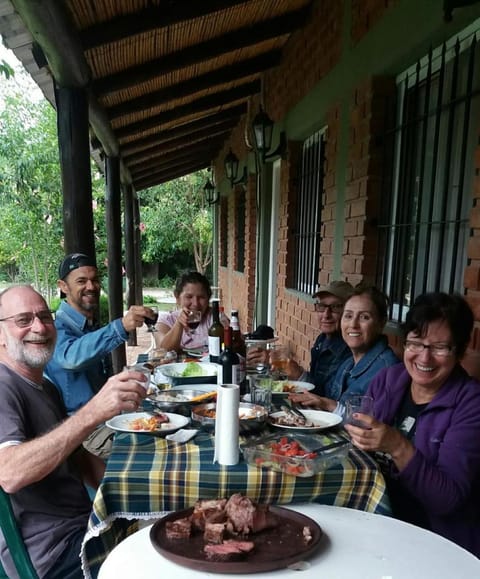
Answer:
(223, 233)
(240, 231)
(430, 165)
(308, 214)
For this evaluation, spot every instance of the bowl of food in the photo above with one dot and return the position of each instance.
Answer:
(171, 399)
(252, 417)
(187, 373)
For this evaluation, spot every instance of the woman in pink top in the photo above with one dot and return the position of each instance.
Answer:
(192, 292)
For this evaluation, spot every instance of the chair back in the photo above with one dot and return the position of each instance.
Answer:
(14, 540)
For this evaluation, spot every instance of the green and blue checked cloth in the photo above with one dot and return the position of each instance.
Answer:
(147, 476)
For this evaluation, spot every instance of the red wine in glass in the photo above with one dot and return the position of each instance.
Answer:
(151, 322)
(193, 320)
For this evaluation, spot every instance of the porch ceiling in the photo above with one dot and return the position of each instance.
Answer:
(168, 79)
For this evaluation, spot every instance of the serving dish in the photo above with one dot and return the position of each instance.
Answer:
(275, 548)
(186, 373)
(170, 399)
(124, 423)
(316, 420)
(252, 416)
(299, 455)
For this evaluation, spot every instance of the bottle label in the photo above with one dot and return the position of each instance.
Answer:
(214, 346)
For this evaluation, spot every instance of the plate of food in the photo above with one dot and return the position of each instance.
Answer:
(146, 423)
(286, 387)
(249, 538)
(314, 420)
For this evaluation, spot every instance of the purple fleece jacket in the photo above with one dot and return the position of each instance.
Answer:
(444, 473)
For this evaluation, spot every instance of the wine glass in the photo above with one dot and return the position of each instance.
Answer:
(151, 322)
(194, 318)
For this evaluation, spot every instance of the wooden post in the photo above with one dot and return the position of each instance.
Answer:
(114, 251)
(129, 232)
(137, 253)
(74, 148)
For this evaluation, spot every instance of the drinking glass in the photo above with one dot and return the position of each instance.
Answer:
(279, 357)
(145, 371)
(257, 356)
(261, 391)
(194, 317)
(156, 357)
(151, 322)
(361, 404)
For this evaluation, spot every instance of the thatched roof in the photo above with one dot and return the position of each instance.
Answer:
(168, 79)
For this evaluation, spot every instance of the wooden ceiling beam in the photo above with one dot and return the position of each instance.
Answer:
(173, 159)
(228, 116)
(165, 176)
(194, 85)
(168, 14)
(175, 145)
(246, 36)
(198, 106)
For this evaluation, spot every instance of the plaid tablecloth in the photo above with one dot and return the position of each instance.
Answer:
(147, 476)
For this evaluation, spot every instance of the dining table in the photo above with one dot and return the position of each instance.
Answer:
(149, 476)
(354, 544)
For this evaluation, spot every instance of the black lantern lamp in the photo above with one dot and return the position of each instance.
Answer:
(263, 133)
(211, 196)
(231, 170)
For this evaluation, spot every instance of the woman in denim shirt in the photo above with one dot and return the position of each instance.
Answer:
(363, 319)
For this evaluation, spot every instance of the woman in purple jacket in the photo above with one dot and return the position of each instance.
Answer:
(426, 430)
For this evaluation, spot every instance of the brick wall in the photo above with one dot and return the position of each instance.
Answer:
(309, 55)
(365, 14)
(369, 108)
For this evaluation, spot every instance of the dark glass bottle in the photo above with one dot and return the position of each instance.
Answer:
(238, 343)
(215, 333)
(228, 361)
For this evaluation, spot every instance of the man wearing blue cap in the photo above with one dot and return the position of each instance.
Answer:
(81, 362)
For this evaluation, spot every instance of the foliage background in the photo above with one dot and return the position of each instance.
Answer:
(176, 224)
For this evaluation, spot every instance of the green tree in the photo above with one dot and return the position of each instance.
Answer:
(30, 192)
(176, 218)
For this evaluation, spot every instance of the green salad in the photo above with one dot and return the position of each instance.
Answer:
(192, 369)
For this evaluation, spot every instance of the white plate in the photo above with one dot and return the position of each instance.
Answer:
(320, 419)
(299, 388)
(122, 422)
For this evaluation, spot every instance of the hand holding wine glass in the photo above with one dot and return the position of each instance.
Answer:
(194, 318)
(151, 322)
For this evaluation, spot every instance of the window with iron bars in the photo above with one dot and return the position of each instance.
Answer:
(308, 213)
(429, 167)
(240, 229)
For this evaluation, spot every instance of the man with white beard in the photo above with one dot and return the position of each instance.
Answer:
(44, 466)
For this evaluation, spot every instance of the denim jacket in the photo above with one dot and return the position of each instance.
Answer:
(327, 355)
(354, 378)
(81, 364)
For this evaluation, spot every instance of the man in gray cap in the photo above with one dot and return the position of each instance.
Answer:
(329, 349)
(81, 362)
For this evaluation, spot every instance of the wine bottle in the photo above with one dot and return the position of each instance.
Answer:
(223, 318)
(228, 361)
(238, 343)
(215, 334)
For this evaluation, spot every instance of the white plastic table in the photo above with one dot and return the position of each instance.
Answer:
(356, 545)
